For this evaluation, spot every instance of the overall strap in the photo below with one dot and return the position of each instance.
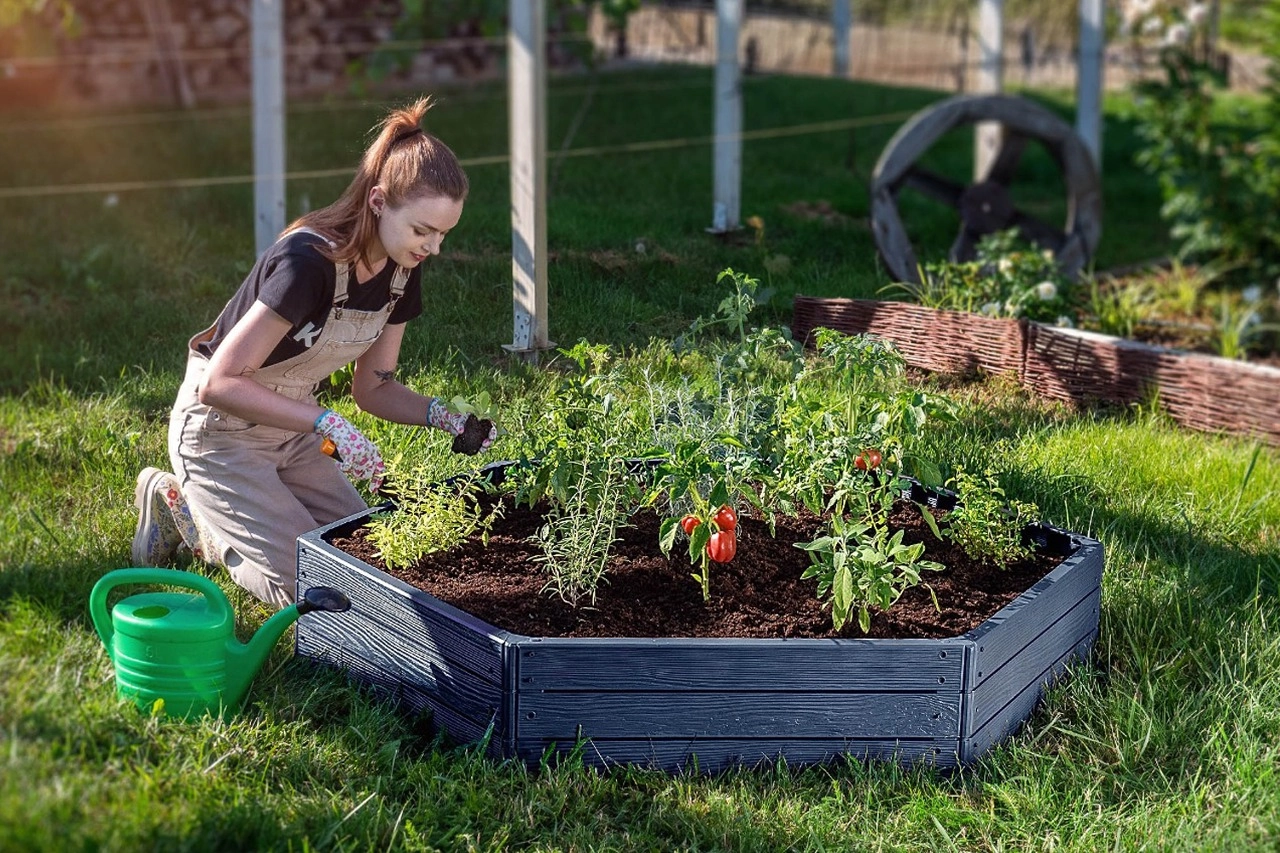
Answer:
(398, 281)
(343, 271)
(342, 268)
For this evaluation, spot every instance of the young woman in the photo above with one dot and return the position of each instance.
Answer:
(246, 432)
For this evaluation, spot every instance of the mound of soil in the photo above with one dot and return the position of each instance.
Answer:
(759, 594)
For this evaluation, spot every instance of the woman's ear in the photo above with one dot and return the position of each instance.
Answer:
(377, 200)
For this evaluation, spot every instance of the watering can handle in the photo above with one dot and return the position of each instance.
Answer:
(168, 577)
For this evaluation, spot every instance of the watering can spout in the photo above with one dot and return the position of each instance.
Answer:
(245, 659)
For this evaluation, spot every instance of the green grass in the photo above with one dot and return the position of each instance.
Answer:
(1167, 741)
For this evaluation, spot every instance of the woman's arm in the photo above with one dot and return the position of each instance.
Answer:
(229, 385)
(375, 387)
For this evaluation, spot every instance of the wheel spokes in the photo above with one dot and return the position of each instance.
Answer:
(964, 247)
(933, 185)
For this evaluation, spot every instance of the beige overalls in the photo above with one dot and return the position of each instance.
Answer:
(253, 489)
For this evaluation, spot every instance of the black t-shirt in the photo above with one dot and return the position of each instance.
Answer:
(294, 280)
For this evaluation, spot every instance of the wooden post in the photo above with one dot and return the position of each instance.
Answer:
(526, 111)
(1089, 78)
(988, 135)
(268, 121)
(841, 19)
(727, 201)
(160, 26)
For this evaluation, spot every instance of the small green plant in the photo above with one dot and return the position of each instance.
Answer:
(1117, 307)
(1239, 325)
(699, 479)
(580, 531)
(984, 523)
(858, 564)
(481, 406)
(733, 310)
(430, 518)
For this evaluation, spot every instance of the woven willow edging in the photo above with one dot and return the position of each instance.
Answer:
(1199, 391)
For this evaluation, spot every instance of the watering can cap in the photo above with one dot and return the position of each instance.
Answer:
(185, 616)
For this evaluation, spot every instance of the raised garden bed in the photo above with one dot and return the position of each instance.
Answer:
(704, 703)
(1199, 391)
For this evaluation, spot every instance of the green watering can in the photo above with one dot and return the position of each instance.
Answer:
(180, 648)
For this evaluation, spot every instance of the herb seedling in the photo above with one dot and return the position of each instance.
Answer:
(984, 523)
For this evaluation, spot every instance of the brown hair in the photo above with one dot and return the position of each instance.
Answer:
(408, 163)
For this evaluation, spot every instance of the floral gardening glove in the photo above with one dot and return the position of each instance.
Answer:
(357, 457)
(470, 434)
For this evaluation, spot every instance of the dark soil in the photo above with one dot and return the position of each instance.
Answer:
(758, 594)
(472, 437)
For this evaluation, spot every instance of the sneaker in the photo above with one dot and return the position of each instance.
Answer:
(157, 538)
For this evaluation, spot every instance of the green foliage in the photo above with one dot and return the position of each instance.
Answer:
(1240, 325)
(852, 397)
(1219, 175)
(580, 531)
(984, 523)
(1009, 278)
(1116, 309)
(481, 405)
(859, 564)
(430, 517)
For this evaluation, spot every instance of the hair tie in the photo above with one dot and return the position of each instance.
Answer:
(402, 137)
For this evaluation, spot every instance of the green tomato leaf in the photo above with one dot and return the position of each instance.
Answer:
(667, 535)
(698, 540)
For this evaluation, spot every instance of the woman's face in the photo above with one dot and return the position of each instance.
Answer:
(412, 232)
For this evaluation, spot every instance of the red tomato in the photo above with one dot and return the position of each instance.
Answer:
(688, 523)
(868, 460)
(726, 518)
(723, 545)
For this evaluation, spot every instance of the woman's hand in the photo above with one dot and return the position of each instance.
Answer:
(357, 456)
(455, 423)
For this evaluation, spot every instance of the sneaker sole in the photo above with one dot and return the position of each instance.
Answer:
(142, 500)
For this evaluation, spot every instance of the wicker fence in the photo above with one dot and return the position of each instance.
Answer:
(1199, 391)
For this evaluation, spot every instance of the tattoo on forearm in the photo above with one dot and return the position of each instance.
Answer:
(385, 375)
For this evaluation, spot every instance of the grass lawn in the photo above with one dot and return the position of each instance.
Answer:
(1169, 741)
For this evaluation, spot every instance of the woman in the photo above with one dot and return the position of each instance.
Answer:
(246, 432)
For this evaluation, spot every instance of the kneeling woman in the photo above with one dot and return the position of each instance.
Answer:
(246, 431)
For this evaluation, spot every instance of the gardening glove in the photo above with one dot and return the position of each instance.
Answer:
(477, 437)
(356, 455)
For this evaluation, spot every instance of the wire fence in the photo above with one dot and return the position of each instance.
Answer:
(931, 50)
(108, 187)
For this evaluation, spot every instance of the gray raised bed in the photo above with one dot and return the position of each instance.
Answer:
(705, 703)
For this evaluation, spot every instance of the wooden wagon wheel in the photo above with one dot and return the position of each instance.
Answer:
(985, 206)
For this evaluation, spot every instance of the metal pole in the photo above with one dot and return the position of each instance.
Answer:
(268, 121)
(841, 19)
(1089, 77)
(527, 109)
(989, 135)
(727, 202)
